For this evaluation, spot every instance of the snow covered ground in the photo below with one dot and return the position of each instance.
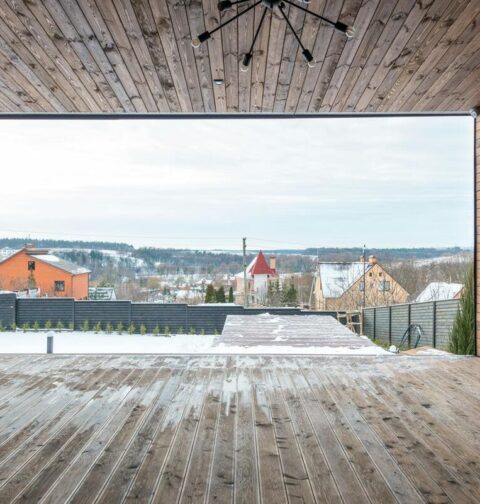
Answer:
(89, 342)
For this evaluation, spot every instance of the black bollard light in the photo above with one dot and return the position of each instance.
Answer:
(49, 343)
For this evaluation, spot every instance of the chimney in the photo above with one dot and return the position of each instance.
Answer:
(372, 259)
(273, 262)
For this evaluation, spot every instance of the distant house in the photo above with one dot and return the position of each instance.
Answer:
(259, 274)
(439, 291)
(31, 268)
(347, 285)
(102, 294)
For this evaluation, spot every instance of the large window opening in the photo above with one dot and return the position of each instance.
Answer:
(322, 215)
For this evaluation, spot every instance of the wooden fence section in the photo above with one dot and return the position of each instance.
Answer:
(207, 318)
(388, 324)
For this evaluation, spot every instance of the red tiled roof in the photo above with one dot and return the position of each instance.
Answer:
(259, 266)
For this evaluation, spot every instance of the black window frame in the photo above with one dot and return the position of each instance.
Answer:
(56, 285)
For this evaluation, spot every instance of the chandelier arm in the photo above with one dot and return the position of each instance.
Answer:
(291, 27)
(314, 14)
(258, 30)
(220, 26)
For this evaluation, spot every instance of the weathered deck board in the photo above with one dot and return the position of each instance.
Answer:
(239, 429)
(289, 330)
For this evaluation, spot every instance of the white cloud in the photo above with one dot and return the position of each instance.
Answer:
(206, 183)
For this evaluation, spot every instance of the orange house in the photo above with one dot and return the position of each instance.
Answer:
(31, 268)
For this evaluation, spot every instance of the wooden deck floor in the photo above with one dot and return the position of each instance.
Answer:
(290, 330)
(239, 429)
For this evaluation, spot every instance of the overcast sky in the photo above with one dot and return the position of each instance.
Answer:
(386, 182)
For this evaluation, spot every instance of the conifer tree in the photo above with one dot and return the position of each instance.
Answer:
(220, 295)
(290, 295)
(210, 294)
(462, 335)
(230, 295)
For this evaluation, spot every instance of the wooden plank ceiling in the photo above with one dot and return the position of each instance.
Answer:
(136, 56)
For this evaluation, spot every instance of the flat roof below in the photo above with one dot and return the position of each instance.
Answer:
(239, 429)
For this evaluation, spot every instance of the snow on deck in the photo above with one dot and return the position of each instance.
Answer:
(301, 333)
(243, 335)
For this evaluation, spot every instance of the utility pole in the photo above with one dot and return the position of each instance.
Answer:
(245, 287)
(364, 276)
(364, 288)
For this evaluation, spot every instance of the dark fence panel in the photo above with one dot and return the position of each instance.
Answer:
(173, 316)
(400, 322)
(369, 323)
(435, 318)
(104, 312)
(210, 318)
(7, 309)
(30, 311)
(446, 312)
(382, 324)
(422, 315)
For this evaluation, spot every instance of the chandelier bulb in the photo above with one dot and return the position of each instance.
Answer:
(307, 56)
(245, 62)
(196, 43)
(350, 32)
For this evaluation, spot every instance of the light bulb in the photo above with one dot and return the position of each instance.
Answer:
(350, 32)
(307, 55)
(196, 43)
(245, 62)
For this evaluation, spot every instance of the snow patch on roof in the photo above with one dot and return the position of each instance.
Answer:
(337, 278)
(439, 291)
(61, 263)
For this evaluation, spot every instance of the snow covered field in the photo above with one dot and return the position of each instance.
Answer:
(89, 342)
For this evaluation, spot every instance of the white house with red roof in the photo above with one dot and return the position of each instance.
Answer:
(259, 274)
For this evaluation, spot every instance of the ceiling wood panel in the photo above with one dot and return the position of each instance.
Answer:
(136, 56)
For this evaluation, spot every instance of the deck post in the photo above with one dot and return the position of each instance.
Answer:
(49, 343)
(476, 243)
(390, 325)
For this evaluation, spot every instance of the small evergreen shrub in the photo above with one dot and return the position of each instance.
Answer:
(108, 328)
(192, 330)
(143, 330)
(202, 332)
(215, 332)
(25, 327)
(85, 326)
(166, 331)
(131, 328)
(2, 327)
(462, 335)
(36, 326)
(13, 326)
(156, 330)
(119, 328)
(71, 326)
(97, 327)
(48, 325)
(59, 325)
(180, 330)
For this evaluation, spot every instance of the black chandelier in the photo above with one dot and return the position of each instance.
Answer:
(270, 5)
